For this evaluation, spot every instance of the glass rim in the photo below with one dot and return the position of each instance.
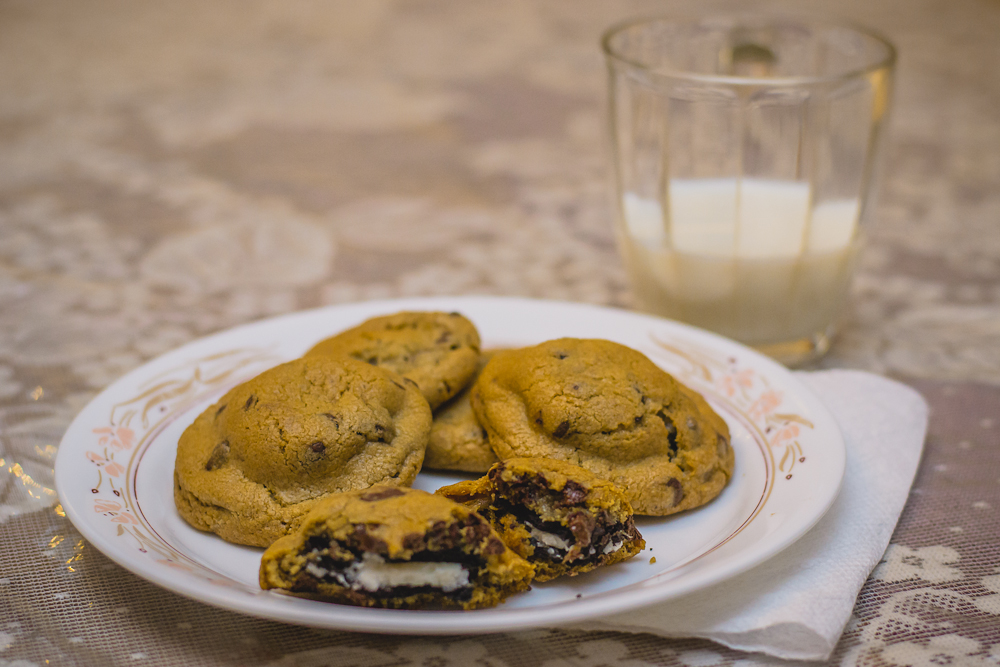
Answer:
(887, 62)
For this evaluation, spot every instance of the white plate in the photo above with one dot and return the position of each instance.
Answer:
(114, 471)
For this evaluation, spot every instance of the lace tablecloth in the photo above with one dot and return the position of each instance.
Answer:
(168, 170)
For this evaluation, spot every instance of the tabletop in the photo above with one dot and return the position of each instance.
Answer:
(169, 170)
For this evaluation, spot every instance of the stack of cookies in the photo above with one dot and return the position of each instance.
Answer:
(313, 459)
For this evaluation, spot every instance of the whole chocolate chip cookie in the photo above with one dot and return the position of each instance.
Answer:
(395, 548)
(437, 351)
(611, 410)
(255, 462)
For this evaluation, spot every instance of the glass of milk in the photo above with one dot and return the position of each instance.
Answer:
(745, 152)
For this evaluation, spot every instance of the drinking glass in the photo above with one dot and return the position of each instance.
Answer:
(745, 154)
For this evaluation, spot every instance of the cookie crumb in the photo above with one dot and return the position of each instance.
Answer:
(652, 560)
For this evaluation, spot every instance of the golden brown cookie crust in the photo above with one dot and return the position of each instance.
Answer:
(611, 410)
(457, 441)
(397, 525)
(252, 464)
(438, 351)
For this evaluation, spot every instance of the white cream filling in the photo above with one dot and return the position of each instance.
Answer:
(612, 547)
(551, 540)
(372, 573)
(548, 539)
(316, 571)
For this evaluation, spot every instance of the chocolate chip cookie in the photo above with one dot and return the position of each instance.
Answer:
(611, 410)
(255, 462)
(457, 441)
(437, 351)
(395, 548)
(561, 518)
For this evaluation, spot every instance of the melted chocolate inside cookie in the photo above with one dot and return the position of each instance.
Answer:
(581, 536)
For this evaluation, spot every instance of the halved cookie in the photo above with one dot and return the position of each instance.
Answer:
(396, 548)
(560, 517)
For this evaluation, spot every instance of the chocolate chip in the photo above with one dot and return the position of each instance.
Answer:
(573, 493)
(561, 430)
(671, 432)
(582, 525)
(560, 355)
(721, 444)
(219, 411)
(494, 547)
(305, 583)
(250, 402)
(334, 419)
(381, 494)
(414, 542)
(678, 490)
(367, 542)
(317, 447)
(630, 530)
(443, 536)
(443, 338)
(638, 420)
(479, 530)
(218, 457)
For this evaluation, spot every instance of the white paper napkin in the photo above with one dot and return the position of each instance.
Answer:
(796, 604)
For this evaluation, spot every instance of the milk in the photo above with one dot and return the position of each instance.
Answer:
(752, 259)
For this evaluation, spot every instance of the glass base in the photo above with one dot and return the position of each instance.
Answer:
(797, 353)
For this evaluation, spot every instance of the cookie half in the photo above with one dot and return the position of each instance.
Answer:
(256, 461)
(438, 351)
(560, 517)
(396, 548)
(609, 409)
